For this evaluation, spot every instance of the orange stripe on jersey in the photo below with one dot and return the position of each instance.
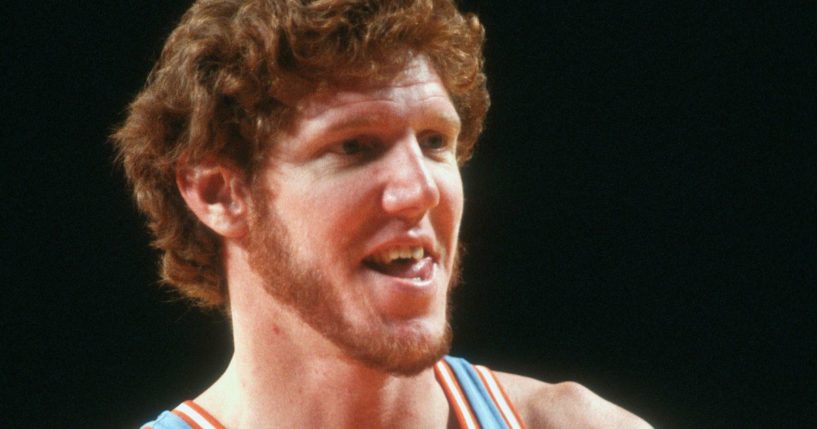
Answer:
(508, 400)
(204, 414)
(456, 398)
(500, 397)
(186, 418)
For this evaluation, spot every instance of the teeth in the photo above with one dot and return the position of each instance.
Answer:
(405, 252)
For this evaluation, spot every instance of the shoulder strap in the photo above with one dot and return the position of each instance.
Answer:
(475, 395)
(188, 415)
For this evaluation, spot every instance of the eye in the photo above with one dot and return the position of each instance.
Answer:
(352, 147)
(435, 142)
(357, 148)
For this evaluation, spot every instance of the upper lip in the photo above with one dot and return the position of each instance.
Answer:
(423, 240)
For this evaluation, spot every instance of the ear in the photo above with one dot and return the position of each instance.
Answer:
(216, 194)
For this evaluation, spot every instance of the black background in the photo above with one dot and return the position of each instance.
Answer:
(640, 214)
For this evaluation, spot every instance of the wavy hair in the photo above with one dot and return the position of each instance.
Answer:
(227, 79)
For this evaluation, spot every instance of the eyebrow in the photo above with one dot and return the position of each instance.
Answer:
(448, 120)
(356, 121)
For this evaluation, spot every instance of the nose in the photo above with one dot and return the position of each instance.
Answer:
(410, 188)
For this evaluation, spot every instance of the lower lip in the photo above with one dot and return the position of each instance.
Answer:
(402, 298)
(407, 285)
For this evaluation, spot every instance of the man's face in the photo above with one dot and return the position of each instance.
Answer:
(356, 218)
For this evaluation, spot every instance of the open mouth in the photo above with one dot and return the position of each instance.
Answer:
(406, 262)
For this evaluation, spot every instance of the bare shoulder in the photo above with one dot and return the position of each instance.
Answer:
(564, 405)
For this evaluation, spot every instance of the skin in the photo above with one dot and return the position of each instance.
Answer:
(360, 170)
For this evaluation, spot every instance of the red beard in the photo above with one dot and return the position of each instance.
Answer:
(402, 350)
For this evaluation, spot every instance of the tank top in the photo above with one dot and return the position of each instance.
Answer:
(473, 392)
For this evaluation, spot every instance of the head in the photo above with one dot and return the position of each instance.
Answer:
(227, 83)
(354, 220)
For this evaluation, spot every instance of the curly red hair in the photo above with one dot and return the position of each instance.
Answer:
(228, 76)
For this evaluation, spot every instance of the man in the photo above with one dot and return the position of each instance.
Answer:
(299, 166)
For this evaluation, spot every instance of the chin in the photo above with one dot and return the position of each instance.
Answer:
(404, 350)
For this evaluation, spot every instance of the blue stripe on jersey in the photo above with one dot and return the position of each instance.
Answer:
(481, 402)
(168, 420)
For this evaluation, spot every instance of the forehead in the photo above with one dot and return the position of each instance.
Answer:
(417, 86)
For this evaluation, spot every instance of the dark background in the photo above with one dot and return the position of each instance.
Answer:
(640, 214)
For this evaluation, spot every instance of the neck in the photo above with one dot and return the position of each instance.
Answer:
(283, 371)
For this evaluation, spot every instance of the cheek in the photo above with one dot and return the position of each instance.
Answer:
(451, 202)
(329, 216)
(458, 196)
